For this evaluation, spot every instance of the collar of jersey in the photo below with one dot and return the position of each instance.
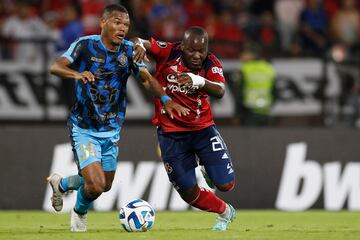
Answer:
(104, 47)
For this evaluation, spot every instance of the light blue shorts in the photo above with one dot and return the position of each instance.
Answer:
(90, 146)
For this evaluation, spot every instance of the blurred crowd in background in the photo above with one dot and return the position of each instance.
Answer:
(280, 27)
(248, 31)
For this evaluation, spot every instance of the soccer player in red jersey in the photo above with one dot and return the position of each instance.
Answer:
(189, 73)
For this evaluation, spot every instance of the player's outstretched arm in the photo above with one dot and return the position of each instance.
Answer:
(216, 89)
(153, 85)
(60, 68)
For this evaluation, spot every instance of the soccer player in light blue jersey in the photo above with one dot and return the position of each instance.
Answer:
(100, 66)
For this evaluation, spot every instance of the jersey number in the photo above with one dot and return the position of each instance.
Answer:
(87, 151)
(217, 144)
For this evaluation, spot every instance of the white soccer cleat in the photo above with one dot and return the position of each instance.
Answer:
(222, 222)
(57, 196)
(78, 223)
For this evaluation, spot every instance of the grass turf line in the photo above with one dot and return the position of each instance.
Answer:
(193, 225)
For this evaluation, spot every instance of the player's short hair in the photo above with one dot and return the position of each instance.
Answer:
(195, 31)
(113, 8)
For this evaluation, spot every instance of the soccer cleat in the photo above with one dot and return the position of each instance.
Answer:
(207, 178)
(57, 196)
(78, 222)
(222, 223)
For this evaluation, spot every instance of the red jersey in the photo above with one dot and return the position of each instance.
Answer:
(169, 62)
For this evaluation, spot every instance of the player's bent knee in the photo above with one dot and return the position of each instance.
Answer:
(226, 186)
(190, 195)
(96, 189)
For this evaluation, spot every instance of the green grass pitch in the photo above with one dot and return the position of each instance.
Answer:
(193, 225)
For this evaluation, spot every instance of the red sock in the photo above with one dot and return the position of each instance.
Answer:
(208, 201)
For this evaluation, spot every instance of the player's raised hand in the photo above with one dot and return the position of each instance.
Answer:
(171, 106)
(140, 53)
(86, 77)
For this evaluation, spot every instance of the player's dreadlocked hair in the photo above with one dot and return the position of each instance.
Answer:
(112, 8)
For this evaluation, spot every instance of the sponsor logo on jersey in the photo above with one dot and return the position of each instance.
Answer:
(161, 44)
(183, 89)
(171, 78)
(217, 70)
(95, 59)
(174, 87)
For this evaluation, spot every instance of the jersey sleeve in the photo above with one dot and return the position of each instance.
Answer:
(215, 71)
(160, 50)
(74, 50)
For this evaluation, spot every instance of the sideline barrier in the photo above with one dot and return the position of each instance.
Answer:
(289, 169)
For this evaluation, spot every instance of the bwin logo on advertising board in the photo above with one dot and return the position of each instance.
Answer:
(338, 183)
(131, 181)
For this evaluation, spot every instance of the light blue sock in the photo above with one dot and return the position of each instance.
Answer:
(71, 183)
(83, 202)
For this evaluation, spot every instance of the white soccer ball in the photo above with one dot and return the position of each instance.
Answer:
(137, 216)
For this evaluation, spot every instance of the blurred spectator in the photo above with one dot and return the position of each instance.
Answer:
(346, 52)
(331, 7)
(91, 12)
(53, 33)
(242, 17)
(255, 90)
(349, 98)
(313, 28)
(211, 24)
(288, 15)
(140, 26)
(24, 27)
(5, 10)
(346, 24)
(267, 34)
(228, 37)
(197, 12)
(73, 27)
(56, 9)
(259, 6)
(269, 23)
(167, 19)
